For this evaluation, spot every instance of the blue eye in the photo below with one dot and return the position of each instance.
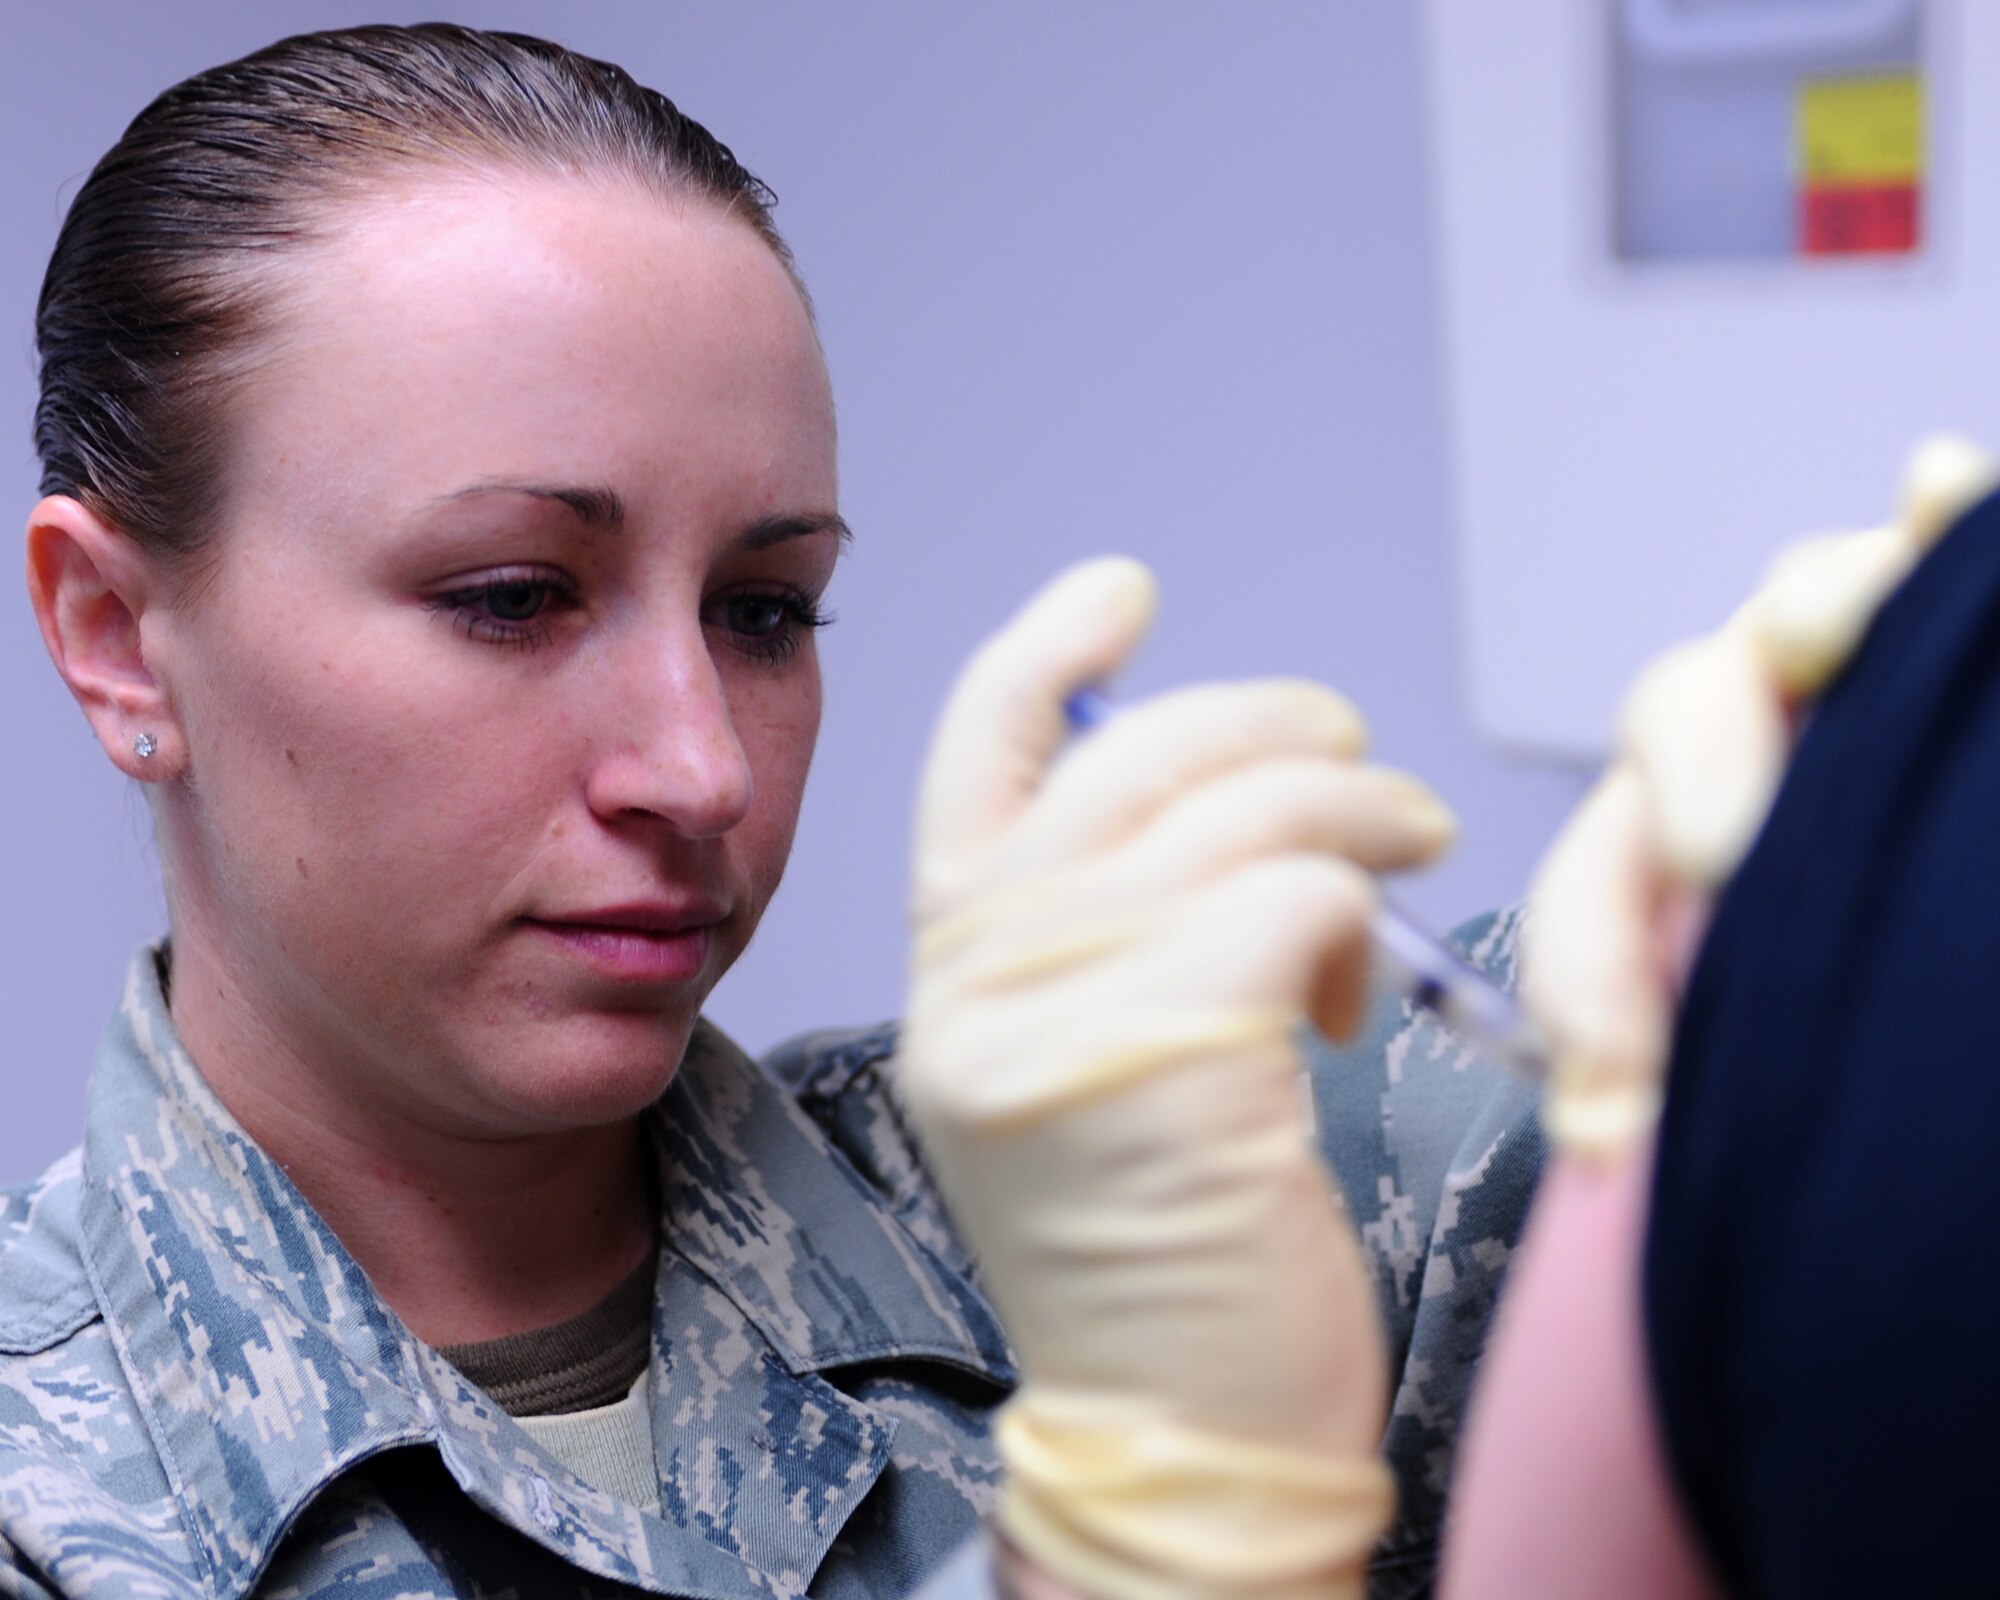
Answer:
(509, 607)
(768, 625)
(517, 600)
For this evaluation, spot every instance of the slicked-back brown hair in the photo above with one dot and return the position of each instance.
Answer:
(161, 291)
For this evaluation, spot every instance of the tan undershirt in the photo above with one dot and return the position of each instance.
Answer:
(609, 1447)
(579, 1388)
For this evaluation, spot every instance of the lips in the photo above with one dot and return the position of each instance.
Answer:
(640, 916)
(635, 943)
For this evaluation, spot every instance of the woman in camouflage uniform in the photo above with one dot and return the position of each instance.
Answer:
(439, 484)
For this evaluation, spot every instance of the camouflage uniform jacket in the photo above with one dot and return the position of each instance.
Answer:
(201, 1394)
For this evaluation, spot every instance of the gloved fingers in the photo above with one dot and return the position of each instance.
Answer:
(1376, 817)
(1593, 968)
(1283, 933)
(1254, 935)
(1708, 722)
(1044, 929)
(1944, 477)
(1705, 728)
(1818, 600)
(1004, 721)
(1225, 972)
(1113, 783)
(1706, 735)
(1034, 929)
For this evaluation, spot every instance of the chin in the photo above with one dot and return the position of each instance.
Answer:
(590, 1076)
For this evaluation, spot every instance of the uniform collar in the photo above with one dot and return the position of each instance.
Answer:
(266, 1365)
(754, 1198)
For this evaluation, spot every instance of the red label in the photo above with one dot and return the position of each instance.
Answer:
(1851, 219)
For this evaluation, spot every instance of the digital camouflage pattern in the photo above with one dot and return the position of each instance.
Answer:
(1438, 1182)
(201, 1394)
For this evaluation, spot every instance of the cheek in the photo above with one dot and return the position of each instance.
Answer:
(778, 728)
(337, 783)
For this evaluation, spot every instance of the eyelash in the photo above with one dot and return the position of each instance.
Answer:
(519, 633)
(800, 617)
(471, 612)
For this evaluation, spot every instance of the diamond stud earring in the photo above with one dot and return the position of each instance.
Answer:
(144, 746)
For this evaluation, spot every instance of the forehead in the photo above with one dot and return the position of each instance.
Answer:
(476, 325)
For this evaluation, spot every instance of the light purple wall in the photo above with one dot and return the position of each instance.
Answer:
(1092, 277)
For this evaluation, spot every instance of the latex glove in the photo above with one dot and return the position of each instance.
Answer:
(1620, 900)
(1114, 952)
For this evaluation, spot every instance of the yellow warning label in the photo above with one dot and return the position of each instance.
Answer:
(1861, 130)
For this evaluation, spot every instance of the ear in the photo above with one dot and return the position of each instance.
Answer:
(90, 586)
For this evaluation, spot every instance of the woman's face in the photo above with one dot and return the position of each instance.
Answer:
(500, 698)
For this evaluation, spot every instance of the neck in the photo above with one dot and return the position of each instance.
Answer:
(466, 1234)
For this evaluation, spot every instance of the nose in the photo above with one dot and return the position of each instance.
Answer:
(671, 751)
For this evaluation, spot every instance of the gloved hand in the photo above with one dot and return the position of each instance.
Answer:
(1114, 951)
(1621, 897)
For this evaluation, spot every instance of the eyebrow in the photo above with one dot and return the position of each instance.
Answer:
(767, 531)
(595, 507)
(601, 509)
